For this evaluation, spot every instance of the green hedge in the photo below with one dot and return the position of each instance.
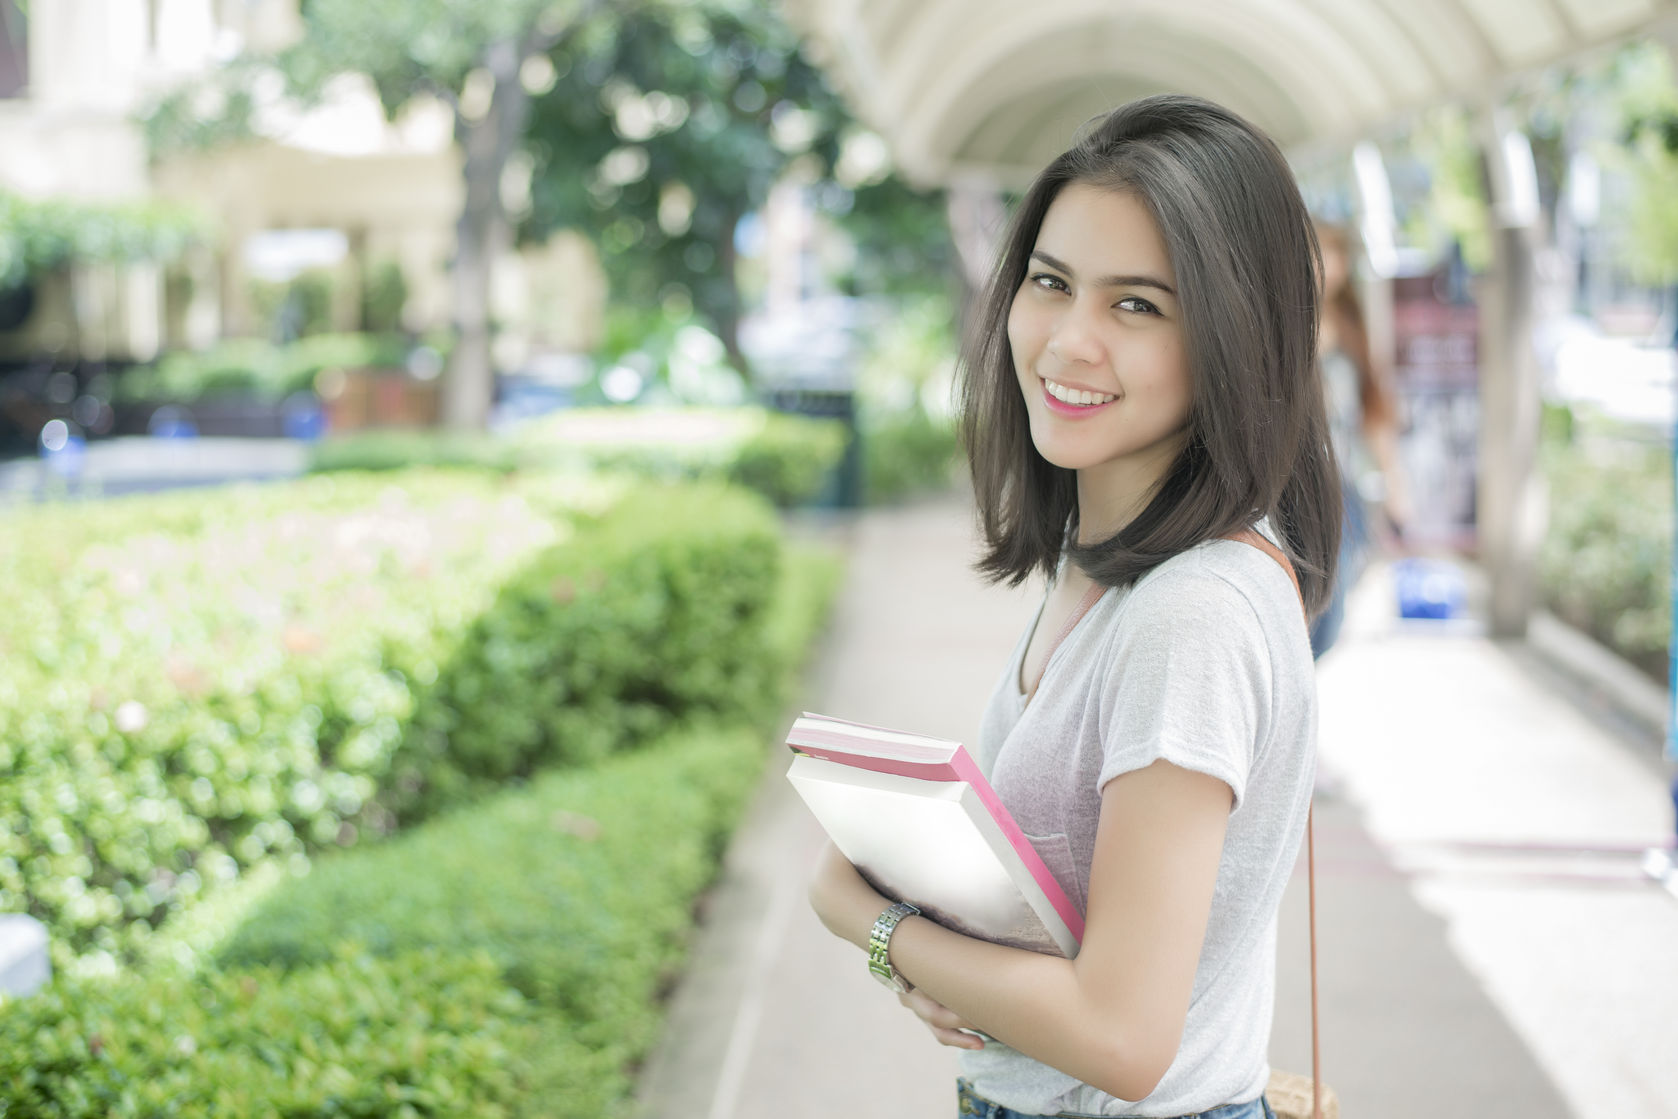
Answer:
(185, 696)
(785, 458)
(581, 888)
(505, 959)
(424, 1034)
(404, 450)
(655, 615)
(257, 367)
(907, 453)
(1606, 562)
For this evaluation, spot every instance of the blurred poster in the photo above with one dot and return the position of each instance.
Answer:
(1436, 368)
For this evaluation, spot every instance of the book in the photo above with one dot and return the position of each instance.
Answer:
(918, 819)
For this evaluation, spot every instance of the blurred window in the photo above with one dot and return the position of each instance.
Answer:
(14, 50)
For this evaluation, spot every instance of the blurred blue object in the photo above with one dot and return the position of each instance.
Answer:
(303, 417)
(172, 422)
(63, 448)
(1426, 588)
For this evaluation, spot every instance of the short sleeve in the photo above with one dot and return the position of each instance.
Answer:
(1190, 680)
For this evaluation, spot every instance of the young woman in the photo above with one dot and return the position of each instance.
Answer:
(1362, 426)
(1146, 429)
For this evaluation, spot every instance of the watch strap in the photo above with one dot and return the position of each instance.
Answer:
(879, 945)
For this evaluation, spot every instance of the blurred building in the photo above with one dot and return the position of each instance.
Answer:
(336, 189)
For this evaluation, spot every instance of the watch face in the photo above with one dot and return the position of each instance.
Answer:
(889, 979)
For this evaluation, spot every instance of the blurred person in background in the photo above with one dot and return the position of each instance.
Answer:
(1363, 425)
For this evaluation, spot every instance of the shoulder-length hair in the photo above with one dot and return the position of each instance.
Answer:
(1246, 263)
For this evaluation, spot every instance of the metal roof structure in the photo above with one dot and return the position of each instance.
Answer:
(999, 86)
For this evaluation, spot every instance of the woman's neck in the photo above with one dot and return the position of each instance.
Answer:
(1113, 494)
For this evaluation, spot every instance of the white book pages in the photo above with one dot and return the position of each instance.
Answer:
(934, 845)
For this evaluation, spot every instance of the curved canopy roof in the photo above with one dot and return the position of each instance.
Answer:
(999, 86)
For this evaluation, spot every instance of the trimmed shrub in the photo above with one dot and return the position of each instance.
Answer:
(187, 693)
(654, 615)
(419, 1034)
(1606, 562)
(906, 453)
(580, 887)
(400, 450)
(507, 958)
(257, 367)
(290, 667)
(786, 458)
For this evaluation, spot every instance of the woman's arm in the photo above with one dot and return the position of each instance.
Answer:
(1113, 1018)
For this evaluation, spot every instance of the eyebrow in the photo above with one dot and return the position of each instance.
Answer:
(1107, 281)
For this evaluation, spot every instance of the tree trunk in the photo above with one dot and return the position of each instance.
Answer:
(481, 232)
(727, 311)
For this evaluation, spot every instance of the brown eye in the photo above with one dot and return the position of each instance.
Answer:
(1048, 282)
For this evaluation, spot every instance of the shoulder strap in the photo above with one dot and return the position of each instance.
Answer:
(1091, 597)
(1257, 540)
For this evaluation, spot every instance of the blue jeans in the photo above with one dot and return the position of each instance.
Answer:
(978, 1107)
(1354, 541)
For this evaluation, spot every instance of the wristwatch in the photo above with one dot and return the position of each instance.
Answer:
(879, 946)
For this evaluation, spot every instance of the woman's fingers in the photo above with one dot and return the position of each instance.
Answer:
(946, 1025)
(957, 1039)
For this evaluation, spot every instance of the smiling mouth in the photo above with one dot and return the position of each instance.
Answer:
(1078, 398)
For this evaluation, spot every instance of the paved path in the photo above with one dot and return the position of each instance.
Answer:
(1468, 970)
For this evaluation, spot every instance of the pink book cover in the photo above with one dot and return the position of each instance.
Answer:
(921, 823)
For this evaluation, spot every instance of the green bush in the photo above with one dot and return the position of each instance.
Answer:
(191, 692)
(1606, 562)
(786, 458)
(257, 367)
(908, 438)
(653, 615)
(790, 458)
(505, 959)
(907, 453)
(580, 887)
(186, 695)
(384, 296)
(399, 450)
(419, 1034)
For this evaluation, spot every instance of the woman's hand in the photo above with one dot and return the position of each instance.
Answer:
(944, 1023)
(848, 906)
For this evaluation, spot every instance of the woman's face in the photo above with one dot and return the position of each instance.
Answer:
(1096, 333)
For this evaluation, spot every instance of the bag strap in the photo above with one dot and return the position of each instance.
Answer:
(1091, 597)
(1257, 540)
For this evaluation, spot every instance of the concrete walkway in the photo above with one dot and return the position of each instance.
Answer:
(1489, 946)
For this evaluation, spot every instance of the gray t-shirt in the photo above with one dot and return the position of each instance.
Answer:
(1204, 662)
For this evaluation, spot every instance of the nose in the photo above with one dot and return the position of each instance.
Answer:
(1073, 339)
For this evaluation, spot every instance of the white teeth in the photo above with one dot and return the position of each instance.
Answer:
(1076, 396)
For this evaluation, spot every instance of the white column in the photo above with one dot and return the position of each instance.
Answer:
(1512, 502)
(1378, 231)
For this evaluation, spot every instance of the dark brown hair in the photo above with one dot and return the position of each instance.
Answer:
(1245, 257)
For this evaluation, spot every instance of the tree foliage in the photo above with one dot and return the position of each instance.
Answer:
(37, 236)
(1646, 100)
(658, 138)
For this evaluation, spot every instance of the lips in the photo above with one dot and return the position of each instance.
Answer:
(1066, 408)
